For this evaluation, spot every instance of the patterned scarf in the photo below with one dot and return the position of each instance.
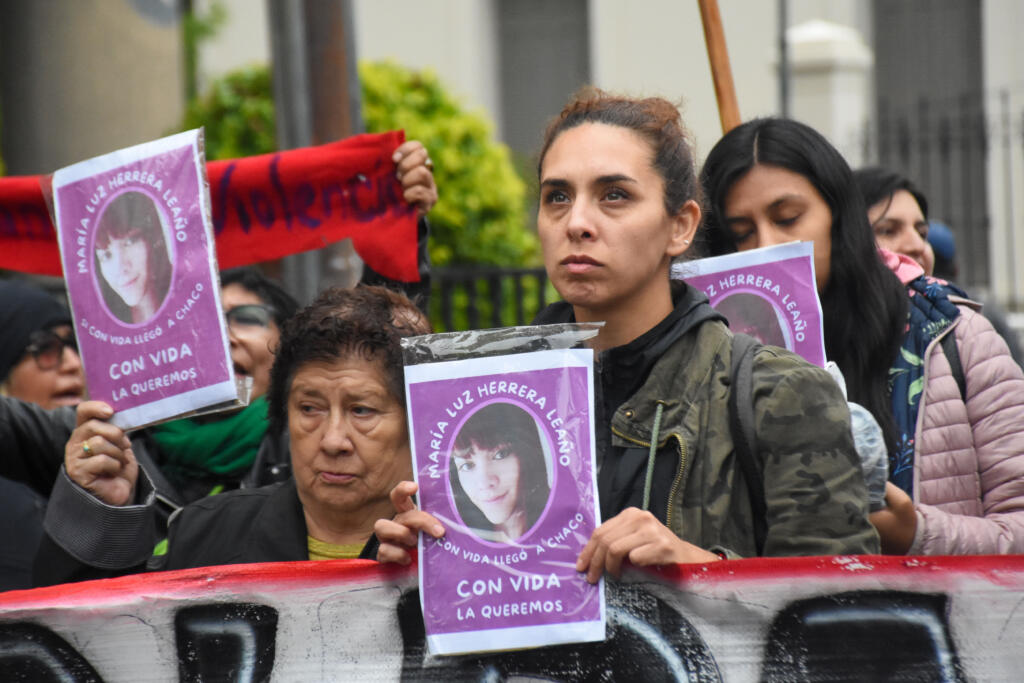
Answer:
(930, 313)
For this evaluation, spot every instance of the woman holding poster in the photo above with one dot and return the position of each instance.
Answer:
(133, 267)
(619, 202)
(499, 472)
(955, 460)
(335, 389)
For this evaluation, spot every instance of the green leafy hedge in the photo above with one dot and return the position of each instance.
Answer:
(481, 215)
(238, 113)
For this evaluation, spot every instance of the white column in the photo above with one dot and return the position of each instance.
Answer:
(831, 86)
(1003, 60)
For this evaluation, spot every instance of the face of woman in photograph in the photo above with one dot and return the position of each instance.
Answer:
(752, 315)
(771, 205)
(491, 478)
(606, 235)
(124, 263)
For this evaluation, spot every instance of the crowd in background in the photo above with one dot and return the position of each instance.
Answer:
(318, 466)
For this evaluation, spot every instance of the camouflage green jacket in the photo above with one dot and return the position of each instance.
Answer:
(814, 489)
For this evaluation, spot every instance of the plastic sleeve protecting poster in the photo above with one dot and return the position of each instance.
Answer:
(137, 249)
(501, 428)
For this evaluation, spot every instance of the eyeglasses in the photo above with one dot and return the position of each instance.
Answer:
(47, 348)
(248, 317)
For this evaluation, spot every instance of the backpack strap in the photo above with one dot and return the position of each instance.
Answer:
(744, 433)
(949, 348)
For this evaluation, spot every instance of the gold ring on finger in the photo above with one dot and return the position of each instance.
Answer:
(86, 448)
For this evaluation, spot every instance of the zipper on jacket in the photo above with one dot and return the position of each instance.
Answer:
(675, 482)
(679, 473)
(923, 401)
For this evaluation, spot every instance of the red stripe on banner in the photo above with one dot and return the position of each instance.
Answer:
(809, 619)
(264, 207)
(997, 569)
(203, 580)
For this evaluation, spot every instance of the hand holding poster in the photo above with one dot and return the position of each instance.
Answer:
(768, 293)
(503, 453)
(137, 251)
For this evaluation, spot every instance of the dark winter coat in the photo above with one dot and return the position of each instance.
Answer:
(814, 487)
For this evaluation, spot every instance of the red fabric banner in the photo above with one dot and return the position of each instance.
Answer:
(264, 207)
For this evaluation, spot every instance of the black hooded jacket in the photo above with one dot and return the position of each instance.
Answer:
(619, 373)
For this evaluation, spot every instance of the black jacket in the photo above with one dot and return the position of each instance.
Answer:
(21, 528)
(244, 526)
(34, 440)
(619, 373)
(266, 524)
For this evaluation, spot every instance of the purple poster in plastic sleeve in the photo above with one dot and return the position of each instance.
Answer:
(138, 258)
(503, 451)
(768, 293)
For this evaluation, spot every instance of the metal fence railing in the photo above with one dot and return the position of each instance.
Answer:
(967, 154)
(472, 297)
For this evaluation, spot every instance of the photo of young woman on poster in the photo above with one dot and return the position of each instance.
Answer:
(499, 472)
(750, 314)
(132, 260)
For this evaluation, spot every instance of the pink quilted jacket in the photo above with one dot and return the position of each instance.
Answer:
(969, 461)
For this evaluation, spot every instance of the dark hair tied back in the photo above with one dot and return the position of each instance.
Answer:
(654, 119)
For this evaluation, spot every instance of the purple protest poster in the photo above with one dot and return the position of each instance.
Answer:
(768, 293)
(137, 251)
(503, 451)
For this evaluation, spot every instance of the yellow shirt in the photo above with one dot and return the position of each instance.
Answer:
(320, 550)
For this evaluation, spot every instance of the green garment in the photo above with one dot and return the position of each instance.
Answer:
(814, 487)
(196, 448)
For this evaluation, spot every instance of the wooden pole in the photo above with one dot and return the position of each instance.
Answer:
(721, 73)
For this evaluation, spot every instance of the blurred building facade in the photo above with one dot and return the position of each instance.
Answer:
(934, 88)
(78, 79)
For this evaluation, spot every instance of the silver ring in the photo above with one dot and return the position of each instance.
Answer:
(429, 163)
(86, 448)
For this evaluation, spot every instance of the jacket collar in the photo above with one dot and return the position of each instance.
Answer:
(622, 370)
(678, 380)
(282, 528)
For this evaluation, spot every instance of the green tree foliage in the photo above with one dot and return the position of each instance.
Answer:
(480, 217)
(197, 28)
(238, 113)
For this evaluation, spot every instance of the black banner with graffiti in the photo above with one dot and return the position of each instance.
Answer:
(810, 619)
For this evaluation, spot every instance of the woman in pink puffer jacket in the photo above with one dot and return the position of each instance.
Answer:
(969, 468)
(968, 445)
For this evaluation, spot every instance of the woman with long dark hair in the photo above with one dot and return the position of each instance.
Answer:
(811, 194)
(132, 261)
(951, 491)
(498, 472)
(898, 214)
